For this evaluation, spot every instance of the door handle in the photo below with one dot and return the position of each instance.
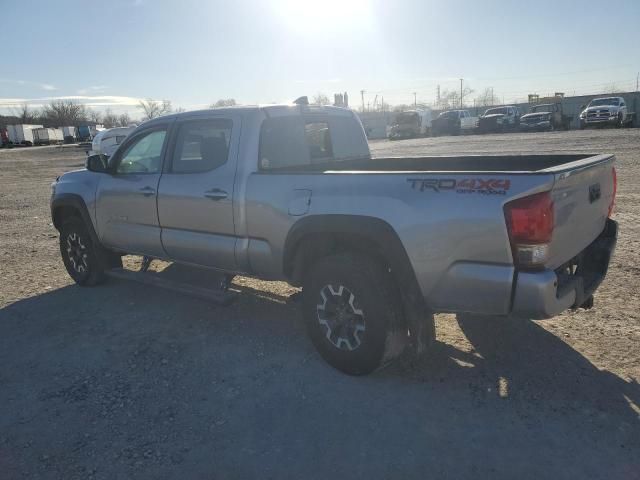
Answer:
(147, 191)
(216, 194)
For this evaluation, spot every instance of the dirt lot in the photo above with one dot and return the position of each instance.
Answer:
(124, 381)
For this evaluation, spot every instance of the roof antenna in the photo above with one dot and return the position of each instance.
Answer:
(304, 100)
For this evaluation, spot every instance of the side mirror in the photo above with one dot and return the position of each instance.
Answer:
(97, 163)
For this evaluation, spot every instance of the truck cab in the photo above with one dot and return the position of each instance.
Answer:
(499, 119)
(606, 111)
(411, 124)
(545, 116)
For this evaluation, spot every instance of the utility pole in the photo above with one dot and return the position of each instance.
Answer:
(637, 79)
(415, 100)
(492, 100)
(382, 102)
(362, 95)
(438, 97)
(461, 80)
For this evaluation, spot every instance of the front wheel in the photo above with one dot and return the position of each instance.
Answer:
(353, 314)
(83, 260)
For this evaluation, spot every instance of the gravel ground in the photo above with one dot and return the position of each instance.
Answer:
(126, 381)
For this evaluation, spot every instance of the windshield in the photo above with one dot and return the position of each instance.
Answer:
(493, 111)
(600, 102)
(406, 118)
(449, 114)
(542, 109)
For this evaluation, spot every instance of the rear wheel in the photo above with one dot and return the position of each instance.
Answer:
(84, 261)
(352, 313)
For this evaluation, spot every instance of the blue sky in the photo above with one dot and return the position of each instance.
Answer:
(195, 52)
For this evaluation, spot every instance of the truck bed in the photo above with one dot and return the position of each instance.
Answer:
(549, 163)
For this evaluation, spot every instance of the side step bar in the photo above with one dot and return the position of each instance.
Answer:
(220, 297)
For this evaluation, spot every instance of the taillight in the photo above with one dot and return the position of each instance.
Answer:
(530, 222)
(615, 190)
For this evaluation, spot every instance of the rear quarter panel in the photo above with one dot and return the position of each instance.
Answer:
(448, 223)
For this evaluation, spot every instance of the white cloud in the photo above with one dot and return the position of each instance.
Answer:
(93, 88)
(100, 102)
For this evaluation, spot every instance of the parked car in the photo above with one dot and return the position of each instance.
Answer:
(608, 111)
(453, 122)
(107, 141)
(4, 137)
(545, 116)
(292, 196)
(499, 119)
(411, 124)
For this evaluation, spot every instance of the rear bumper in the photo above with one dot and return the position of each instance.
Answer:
(547, 293)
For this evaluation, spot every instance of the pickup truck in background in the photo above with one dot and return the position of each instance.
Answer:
(608, 111)
(453, 122)
(377, 244)
(411, 124)
(499, 119)
(545, 117)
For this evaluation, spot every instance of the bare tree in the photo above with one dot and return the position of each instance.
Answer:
(320, 99)
(154, 108)
(64, 112)
(124, 120)
(110, 119)
(94, 116)
(486, 98)
(223, 102)
(24, 113)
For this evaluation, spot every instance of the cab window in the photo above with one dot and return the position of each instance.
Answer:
(202, 146)
(143, 155)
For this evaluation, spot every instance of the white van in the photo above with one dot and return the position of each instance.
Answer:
(107, 141)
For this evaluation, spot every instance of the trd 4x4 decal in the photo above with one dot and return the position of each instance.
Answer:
(491, 186)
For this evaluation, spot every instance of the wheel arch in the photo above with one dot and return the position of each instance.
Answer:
(319, 235)
(69, 205)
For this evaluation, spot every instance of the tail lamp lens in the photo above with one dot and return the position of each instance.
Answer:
(530, 223)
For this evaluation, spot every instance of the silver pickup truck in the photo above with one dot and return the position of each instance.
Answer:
(377, 244)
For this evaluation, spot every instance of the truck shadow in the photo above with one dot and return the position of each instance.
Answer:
(521, 363)
(245, 378)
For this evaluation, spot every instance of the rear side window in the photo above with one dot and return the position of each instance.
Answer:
(282, 143)
(349, 140)
(295, 141)
(201, 146)
(318, 139)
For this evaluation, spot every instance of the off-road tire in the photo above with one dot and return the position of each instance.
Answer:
(365, 287)
(85, 262)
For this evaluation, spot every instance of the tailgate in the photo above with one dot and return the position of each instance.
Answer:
(582, 194)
